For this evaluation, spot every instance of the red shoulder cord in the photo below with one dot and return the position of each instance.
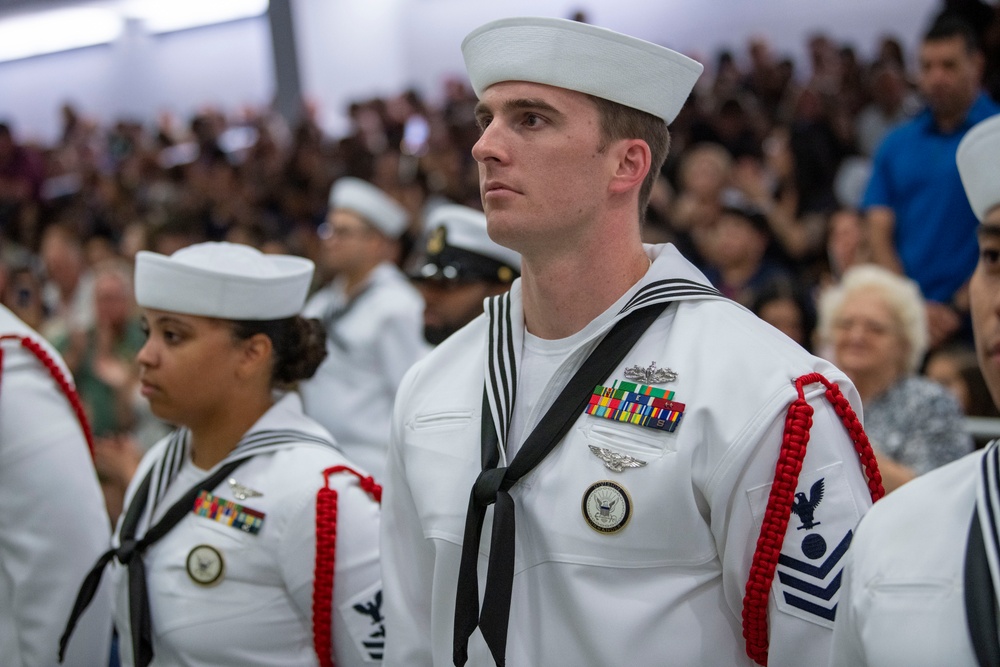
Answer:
(798, 421)
(326, 552)
(67, 388)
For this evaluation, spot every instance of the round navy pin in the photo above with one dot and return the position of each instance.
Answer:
(607, 506)
(205, 565)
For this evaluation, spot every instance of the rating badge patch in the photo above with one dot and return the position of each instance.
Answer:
(365, 622)
(820, 528)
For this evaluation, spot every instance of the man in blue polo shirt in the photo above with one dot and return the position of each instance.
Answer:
(918, 216)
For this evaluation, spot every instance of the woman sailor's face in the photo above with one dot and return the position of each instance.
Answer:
(187, 366)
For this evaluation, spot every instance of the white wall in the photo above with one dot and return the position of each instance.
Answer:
(140, 76)
(699, 28)
(350, 49)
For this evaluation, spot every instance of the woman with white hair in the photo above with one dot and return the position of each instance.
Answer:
(874, 326)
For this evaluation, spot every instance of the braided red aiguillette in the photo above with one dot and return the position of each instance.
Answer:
(326, 559)
(798, 421)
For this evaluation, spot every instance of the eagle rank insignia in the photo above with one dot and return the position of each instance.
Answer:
(614, 460)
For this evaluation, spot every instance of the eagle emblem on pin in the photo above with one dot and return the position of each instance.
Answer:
(614, 460)
(607, 507)
(205, 565)
(650, 375)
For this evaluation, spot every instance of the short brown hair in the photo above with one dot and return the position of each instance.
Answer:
(621, 122)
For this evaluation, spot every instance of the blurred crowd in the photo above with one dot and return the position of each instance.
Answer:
(768, 163)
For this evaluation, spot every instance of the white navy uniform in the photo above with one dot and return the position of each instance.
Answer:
(53, 524)
(668, 587)
(369, 350)
(902, 602)
(259, 611)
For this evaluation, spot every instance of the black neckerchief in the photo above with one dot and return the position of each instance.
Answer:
(982, 557)
(151, 490)
(493, 484)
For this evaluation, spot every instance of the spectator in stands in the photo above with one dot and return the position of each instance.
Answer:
(21, 175)
(919, 219)
(704, 174)
(68, 293)
(892, 104)
(788, 310)
(741, 267)
(954, 367)
(876, 330)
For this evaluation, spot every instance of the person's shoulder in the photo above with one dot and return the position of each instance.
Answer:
(919, 528)
(983, 107)
(738, 350)
(731, 328)
(299, 470)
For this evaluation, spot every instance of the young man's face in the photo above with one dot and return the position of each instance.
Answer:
(541, 175)
(984, 294)
(348, 241)
(450, 305)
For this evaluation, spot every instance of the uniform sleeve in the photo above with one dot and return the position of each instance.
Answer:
(830, 498)
(407, 559)
(53, 525)
(358, 627)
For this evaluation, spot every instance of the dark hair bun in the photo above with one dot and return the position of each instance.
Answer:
(301, 351)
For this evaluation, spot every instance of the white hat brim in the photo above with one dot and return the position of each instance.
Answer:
(581, 57)
(164, 283)
(978, 159)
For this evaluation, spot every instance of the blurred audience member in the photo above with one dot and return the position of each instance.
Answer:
(704, 174)
(740, 267)
(846, 244)
(788, 310)
(68, 293)
(920, 223)
(892, 104)
(954, 367)
(102, 360)
(462, 267)
(876, 330)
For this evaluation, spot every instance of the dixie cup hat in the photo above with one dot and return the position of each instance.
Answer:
(581, 57)
(225, 280)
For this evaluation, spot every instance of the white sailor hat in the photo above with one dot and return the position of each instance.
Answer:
(375, 206)
(978, 158)
(459, 249)
(226, 280)
(581, 57)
